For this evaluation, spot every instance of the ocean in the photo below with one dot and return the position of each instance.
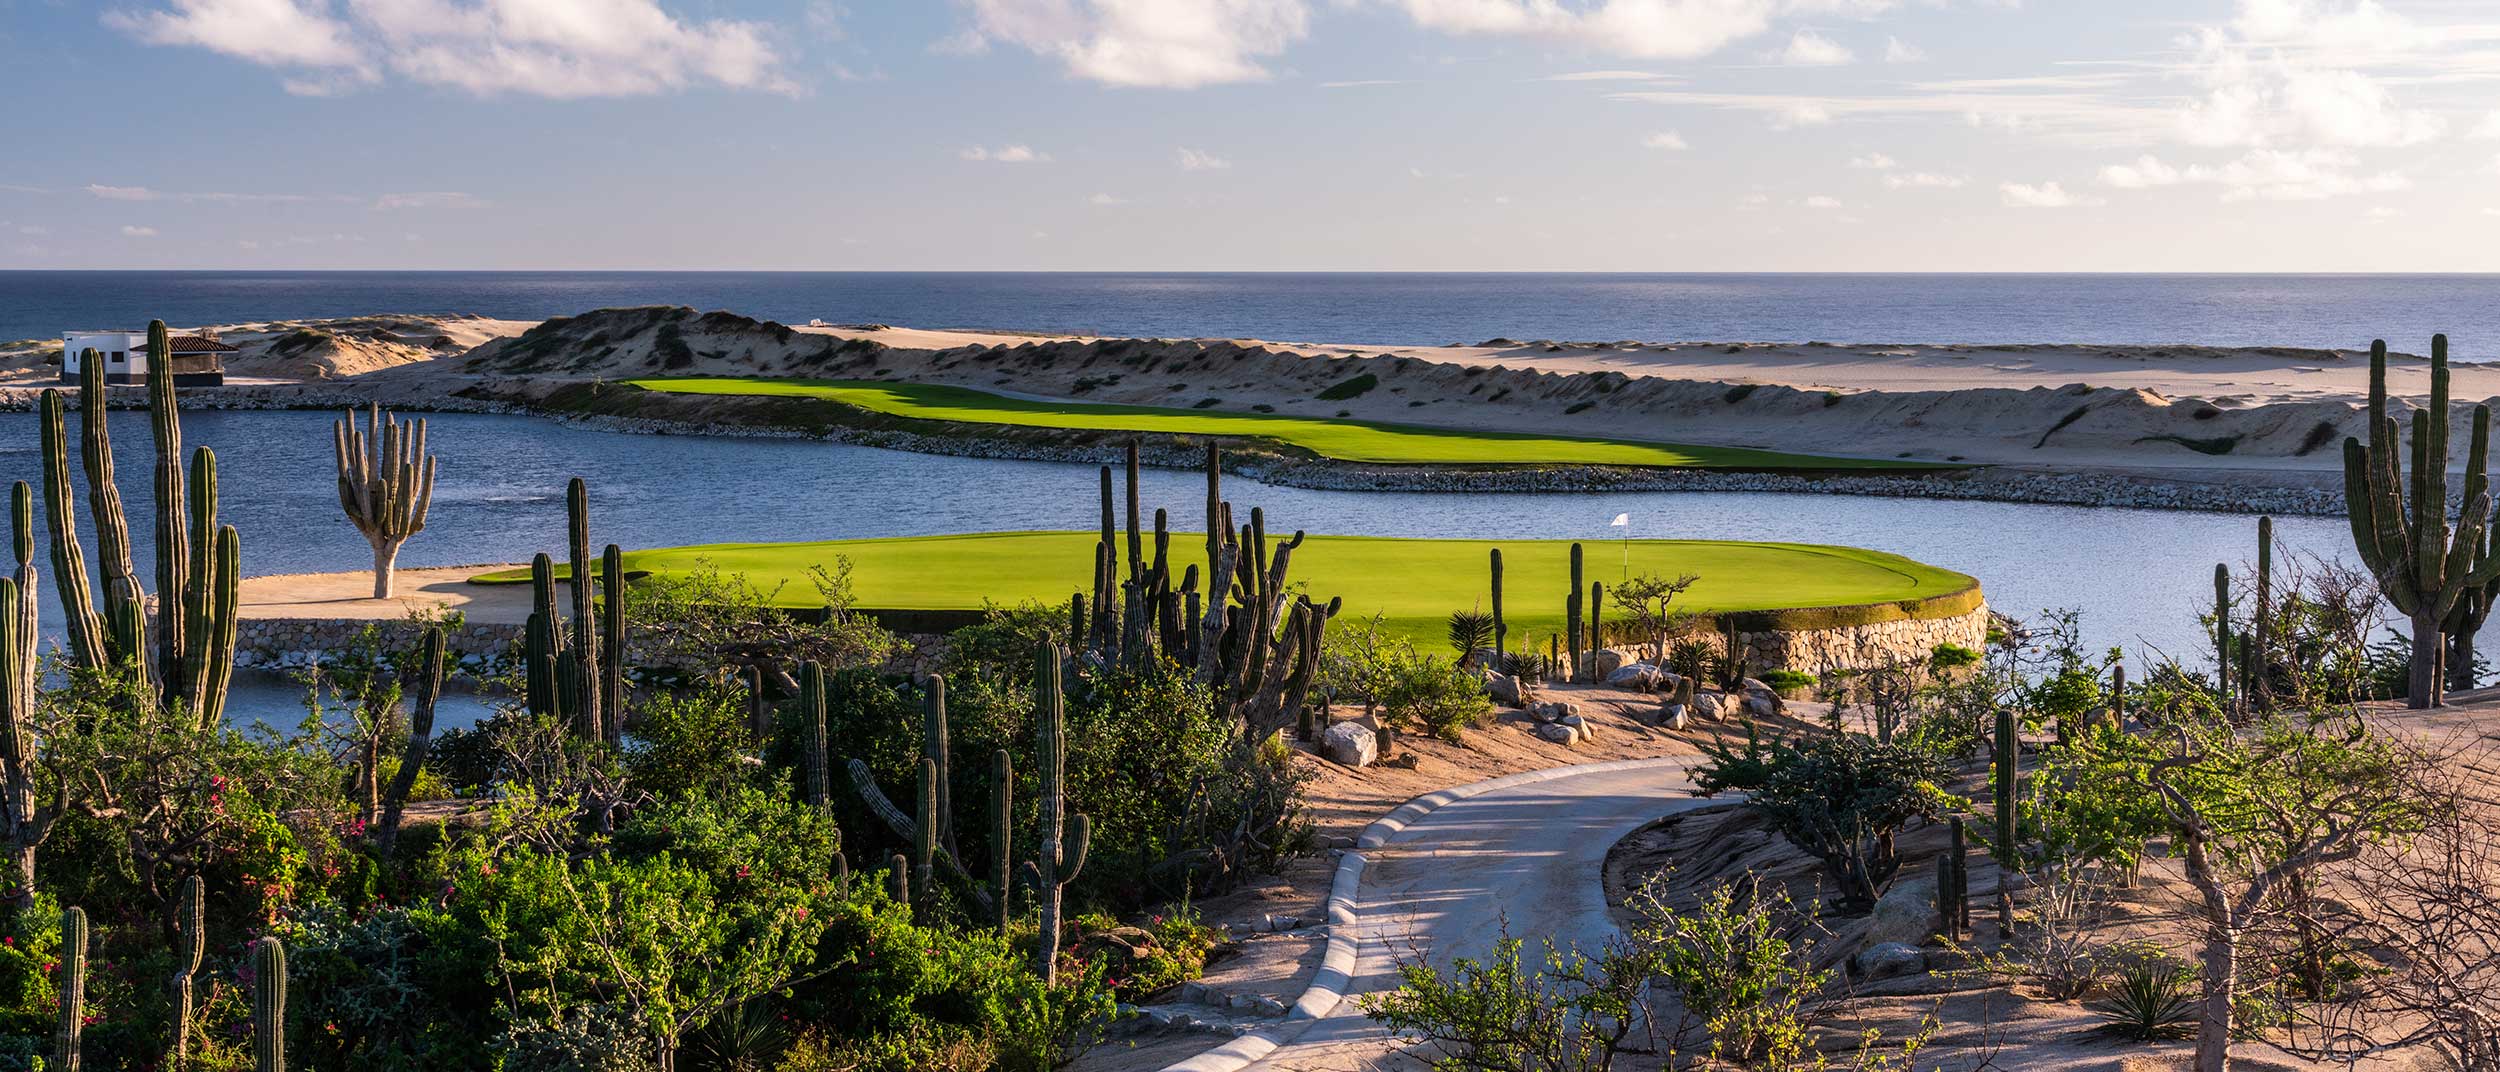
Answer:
(1366, 308)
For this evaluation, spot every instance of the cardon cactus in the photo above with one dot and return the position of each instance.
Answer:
(1064, 836)
(386, 484)
(69, 557)
(1002, 837)
(898, 879)
(587, 631)
(420, 739)
(542, 642)
(1571, 617)
(2008, 760)
(2224, 643)
(191, 942)
(612, 642)
(69, 978)
(1501, 628)
(2401, 526)
(815, 777)
(924, 846)
(1597, 621)
(269, 1006)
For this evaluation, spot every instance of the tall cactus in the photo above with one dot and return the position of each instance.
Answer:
(1064, 836)
(173, 529)
(933, 749)
(1501, 628)
(2257, 677)
(2472, 610)
(898, 879)
(1571, 617)
(2401, 527)
(69, 557)
(612, 642)
(1597, 621)
(2009, 802)
(386, 484)
(816, 778)
(2224, 641)
(1002, 837)
(587, 631)
(924, 848)
(420, 740)
(69, 977)
(269, 1006)
(191, 942)
(28, 821)
(542, 642)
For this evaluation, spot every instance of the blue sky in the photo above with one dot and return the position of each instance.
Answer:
(1669, 135)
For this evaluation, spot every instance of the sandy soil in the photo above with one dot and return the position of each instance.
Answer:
(350, 595)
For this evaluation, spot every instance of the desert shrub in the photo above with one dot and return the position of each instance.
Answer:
(2151, 998)
(1949, 656)
(691, 739)
(390, 989)
(1838, 796)
(1470, 631)
(1439, 698)
(1785, 679)
(1354, 387)
(1141, 960)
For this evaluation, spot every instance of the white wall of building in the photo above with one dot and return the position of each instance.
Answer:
(124, 351)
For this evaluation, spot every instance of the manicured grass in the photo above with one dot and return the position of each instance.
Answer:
(1412, 584)
(1347, 440)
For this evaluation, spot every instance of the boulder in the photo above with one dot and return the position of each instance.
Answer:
(1640, 676)
(1888, 960)
(1349, 744)
(1706, 705)
(1906, 913)
(1671, 715)
(1559, 734)
(1553, 711)
(1608, 660)
(1501, 688)
(1587, 731)
(1485, 657)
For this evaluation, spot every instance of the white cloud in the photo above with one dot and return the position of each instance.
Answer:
(1649, 29)
(1810, 49)
(1666, 140)
(1361, 82)
(1873, 162)
(1173, 44)
(1924, 180)
(2489, 128)
(1897, 50)
(1800, 114)
(123, 193)
(1605, 76)
(549, 48)
(1005, 154)
(135, 231)
(2281, 74)
(2262, 174)
(2147, 170)
(1821, 201)
(432, 199)
(2045, 195)
(1200, 160)
(1106, 200)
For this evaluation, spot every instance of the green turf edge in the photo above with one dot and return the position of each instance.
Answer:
(1753, 460)
(1954, 604)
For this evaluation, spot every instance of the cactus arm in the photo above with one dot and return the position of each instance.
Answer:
(224, 619)
(269, 1006)
(584, 588)
(70, 979)
(612, 628)
(104, 497)
(1002, 836)
(191, 938)
(420, 739)
(813, 757)
(69, 557)
(864, 782)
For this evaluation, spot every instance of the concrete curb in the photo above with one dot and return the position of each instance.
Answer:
(1336, 965)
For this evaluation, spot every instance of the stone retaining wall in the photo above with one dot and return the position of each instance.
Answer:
(281, 644)
(1858, 647)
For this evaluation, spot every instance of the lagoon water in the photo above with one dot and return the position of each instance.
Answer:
(2138, 576)
(1378, 308)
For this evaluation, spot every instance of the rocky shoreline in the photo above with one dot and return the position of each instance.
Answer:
(2125, 490)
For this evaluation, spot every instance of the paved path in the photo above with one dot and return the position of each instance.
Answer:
(1531, 851)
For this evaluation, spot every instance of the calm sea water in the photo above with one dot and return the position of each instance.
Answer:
(1374, 308)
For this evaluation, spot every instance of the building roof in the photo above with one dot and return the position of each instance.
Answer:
(198, 344)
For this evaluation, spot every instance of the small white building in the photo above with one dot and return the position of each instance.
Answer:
(198, 358)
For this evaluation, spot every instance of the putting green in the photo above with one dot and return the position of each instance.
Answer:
(1347, 440)
(1413, 585)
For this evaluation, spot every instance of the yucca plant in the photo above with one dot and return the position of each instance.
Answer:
(2152, 999)
(1470, 632)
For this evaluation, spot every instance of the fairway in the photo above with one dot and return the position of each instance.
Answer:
(1346, 440)
(1412, 584)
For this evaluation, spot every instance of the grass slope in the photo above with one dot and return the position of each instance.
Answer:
(1346, 440)
(1412, 584)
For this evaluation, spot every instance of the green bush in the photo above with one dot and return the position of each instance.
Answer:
(1350, 388)
(1439, 698)
(1840, 796)
(1784, 680)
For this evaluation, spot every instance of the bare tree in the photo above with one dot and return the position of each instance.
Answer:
(1650, 600)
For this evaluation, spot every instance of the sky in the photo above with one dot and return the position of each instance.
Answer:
(1568, 135)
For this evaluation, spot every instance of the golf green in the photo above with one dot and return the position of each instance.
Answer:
(1412, 585)
(1346, 440)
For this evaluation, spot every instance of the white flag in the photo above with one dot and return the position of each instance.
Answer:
(1620, 521)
